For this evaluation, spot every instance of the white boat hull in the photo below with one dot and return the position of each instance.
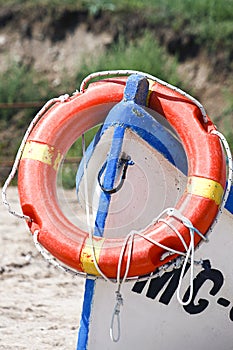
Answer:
(153, 319)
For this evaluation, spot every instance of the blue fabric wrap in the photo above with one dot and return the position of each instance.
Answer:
(109, 179)
(86, 313)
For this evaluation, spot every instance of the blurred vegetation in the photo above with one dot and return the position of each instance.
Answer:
(137, 55)
(209, 22)
(16, 86)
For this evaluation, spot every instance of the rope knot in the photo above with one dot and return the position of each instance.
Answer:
(63, 98)
(119, 302)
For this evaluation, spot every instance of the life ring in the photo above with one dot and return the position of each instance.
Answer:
(54, 134)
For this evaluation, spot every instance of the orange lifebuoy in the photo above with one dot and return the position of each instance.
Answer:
(63, 124)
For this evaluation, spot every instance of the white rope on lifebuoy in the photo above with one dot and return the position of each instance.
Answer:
(121, 72)
(229, 177)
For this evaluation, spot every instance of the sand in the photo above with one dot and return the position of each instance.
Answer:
(40, 306)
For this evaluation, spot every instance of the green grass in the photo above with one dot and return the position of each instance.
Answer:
(16, 86)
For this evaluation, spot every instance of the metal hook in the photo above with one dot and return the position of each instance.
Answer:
(126, 162)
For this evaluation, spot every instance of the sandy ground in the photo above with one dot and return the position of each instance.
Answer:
(40, 306)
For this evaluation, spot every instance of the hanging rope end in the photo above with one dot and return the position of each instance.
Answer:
(116, 317)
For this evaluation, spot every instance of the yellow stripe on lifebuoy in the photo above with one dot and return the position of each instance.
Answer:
(151, 83)
(206, 188)
(87, 259)
(43, 153)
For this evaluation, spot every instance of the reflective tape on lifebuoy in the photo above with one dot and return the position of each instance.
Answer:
(54, 134)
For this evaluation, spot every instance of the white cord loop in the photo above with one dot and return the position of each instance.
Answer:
(229, 164)
(116, 318)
